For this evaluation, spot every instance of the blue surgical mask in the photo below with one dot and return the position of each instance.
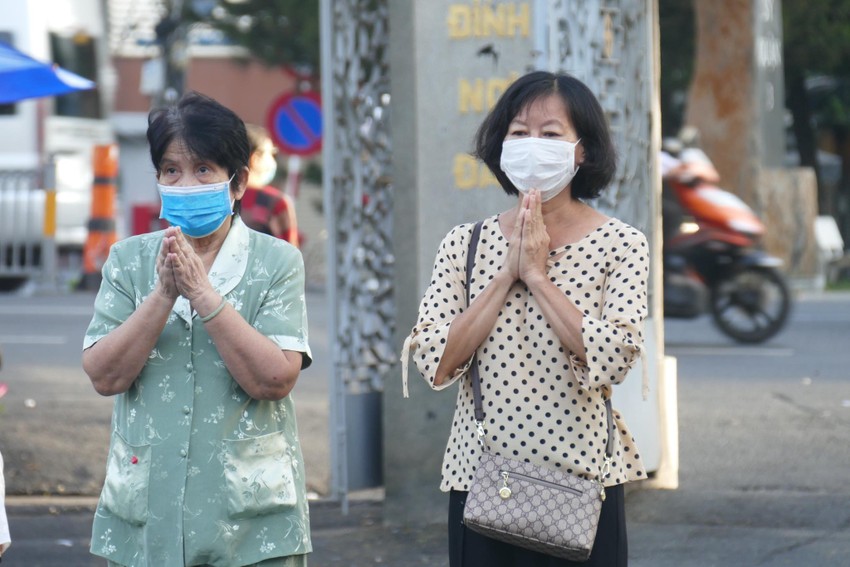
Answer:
(198, 210)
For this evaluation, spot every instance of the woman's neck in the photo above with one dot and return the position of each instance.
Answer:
(563, 208)
(208, 246)
(569, 220)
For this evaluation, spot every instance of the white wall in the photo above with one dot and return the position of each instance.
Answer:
(30, 22)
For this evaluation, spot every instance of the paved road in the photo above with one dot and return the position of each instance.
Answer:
(765, 458)
(765, 461)
(54, 428)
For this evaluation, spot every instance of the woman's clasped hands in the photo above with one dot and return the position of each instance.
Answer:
(528, 246)
(181, 271)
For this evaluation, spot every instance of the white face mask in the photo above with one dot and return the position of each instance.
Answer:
(267, 170)
(539, 163)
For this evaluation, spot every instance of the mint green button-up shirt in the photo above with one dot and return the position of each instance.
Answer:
(198, 471)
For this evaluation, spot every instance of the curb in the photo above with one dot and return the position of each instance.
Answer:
(49, 505)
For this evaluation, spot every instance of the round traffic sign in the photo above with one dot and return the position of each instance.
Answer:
(295, 123)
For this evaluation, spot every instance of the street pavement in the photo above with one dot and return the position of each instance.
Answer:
(764, 452)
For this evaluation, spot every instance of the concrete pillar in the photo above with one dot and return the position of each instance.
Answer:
(449, 62)
(790, 201)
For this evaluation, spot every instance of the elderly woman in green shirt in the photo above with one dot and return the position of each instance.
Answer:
(200, 332)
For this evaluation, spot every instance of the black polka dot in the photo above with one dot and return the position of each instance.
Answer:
(543, 402)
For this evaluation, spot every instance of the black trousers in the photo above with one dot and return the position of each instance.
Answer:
(470, 549)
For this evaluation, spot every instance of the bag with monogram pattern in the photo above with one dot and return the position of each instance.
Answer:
(528, 505)
(534, 507)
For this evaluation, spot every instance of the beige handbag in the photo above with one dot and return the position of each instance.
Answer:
(528, 505)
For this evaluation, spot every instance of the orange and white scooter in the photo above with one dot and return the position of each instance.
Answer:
(712, 257)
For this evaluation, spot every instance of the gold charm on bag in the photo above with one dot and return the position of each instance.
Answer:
(505, 491)
(604, 472)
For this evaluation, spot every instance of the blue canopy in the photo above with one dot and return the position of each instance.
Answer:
(22, 77)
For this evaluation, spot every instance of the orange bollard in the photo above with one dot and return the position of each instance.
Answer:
(101, 224)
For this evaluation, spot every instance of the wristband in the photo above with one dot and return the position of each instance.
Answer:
(215, 311)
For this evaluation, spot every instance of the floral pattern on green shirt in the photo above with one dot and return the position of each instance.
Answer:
(198, 471)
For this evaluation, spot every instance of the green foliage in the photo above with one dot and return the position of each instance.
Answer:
(278, 32)
(816, 52)
(817, 42)
(313, 173)
(841, 284)
(835, 111)
(816, 36)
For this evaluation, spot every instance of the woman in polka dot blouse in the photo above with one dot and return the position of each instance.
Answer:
(557, 303)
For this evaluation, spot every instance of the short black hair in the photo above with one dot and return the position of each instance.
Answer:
(583, 110)
(209, 130)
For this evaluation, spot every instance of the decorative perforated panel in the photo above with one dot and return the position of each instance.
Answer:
(362, 269)
(605, 43)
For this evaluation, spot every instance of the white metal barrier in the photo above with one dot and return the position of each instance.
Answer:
(833, 255)
(22, 234)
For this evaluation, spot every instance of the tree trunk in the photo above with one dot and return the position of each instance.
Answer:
(722, 100)
(841, 135)
(798, 104)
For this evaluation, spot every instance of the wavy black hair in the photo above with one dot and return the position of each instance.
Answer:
(210, 131)
(583, 110)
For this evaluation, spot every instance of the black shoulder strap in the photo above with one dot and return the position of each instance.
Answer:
(470, 255)
(470, 265)
(476, 379)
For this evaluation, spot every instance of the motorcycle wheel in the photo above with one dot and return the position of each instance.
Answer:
(751, 305)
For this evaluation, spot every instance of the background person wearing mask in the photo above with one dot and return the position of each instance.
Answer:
(263, 207)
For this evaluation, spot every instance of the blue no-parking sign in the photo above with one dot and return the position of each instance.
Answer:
(295, 123)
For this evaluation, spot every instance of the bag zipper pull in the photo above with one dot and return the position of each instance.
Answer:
(505, 491)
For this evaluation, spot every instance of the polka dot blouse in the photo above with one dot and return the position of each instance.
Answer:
(542, 403)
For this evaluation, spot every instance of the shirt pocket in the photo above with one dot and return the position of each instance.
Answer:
(258, 475)
(125, 490)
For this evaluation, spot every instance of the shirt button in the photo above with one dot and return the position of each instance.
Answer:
(187, 410)
(188, 366)
(182, 452)
(188, 326)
